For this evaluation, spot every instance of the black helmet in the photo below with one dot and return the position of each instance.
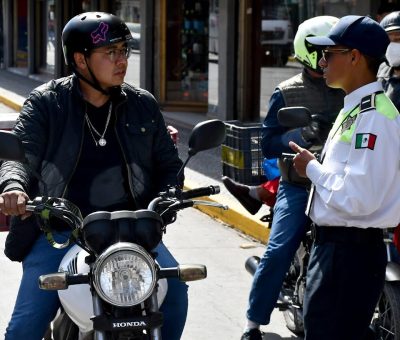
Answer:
(391, 22)
(90, 30)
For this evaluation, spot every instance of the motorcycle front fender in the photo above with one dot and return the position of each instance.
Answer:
(392, 272)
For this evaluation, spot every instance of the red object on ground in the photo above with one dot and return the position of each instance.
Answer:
(396, 238)
(272, 187)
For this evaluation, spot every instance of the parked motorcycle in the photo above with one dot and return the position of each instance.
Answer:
(109, 284)
(385, 324)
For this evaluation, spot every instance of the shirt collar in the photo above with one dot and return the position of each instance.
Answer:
(354, 98)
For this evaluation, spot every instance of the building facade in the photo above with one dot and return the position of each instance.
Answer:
(195, 56)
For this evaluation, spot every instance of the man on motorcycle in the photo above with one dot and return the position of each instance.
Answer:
(100, 143)
(389, 71)
(355, 189)
(288, 226)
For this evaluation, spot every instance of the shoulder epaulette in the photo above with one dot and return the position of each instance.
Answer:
(368, 102)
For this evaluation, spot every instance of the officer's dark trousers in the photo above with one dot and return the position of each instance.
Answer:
(345, 278)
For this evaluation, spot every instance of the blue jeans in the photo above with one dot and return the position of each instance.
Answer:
(287, 230)
(35, 308)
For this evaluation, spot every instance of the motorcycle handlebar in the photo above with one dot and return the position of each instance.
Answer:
(31, 205)
(199, 192)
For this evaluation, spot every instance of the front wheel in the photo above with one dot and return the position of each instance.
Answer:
(386, 320)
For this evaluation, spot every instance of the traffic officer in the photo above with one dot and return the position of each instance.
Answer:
(289, 222)
(355, 192)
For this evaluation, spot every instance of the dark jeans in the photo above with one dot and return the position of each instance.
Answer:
(344, 281)
(287, 230)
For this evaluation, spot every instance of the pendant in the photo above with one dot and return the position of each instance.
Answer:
(102, 142)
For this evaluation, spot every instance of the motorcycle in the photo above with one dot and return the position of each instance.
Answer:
(109, 283)
(385, 324)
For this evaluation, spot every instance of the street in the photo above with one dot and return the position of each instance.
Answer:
(217, 304)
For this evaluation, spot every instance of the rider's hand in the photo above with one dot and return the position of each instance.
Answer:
(302, 158)
(13, 203)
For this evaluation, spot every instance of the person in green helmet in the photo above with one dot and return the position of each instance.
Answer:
(289, 220)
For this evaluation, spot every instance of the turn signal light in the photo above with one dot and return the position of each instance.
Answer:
(192, 272)
(56, 281)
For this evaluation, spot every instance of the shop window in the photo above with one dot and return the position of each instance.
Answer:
(213, 49)
(51, 36)
(129, 11)
(21, 28)
(186, 44)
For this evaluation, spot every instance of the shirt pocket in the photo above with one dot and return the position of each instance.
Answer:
(141, 138)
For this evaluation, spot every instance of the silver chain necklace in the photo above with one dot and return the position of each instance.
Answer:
(101, 141)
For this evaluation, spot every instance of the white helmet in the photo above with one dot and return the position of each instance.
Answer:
(306, 53)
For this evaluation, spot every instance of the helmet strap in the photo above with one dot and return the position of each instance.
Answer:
(94, 83)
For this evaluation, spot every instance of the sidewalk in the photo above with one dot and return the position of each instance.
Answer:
(15, 88)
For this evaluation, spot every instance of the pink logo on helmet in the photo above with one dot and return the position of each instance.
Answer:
(100, 33)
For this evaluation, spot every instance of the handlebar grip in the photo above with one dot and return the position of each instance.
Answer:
(204, 191)
(31, 205)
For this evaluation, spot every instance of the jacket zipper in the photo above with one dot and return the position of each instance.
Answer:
(77, 160)
(123, 155)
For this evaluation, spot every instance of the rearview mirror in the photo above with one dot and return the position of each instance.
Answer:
(206, 135)
(11, 148)
(294, 117)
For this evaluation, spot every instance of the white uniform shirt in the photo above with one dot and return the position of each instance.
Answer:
(359, 187)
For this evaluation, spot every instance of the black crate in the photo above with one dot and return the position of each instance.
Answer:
(242, 158)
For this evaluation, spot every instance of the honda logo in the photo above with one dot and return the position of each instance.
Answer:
(129, 324)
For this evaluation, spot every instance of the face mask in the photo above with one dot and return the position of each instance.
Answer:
(393, 54)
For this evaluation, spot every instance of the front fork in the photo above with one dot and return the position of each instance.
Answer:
(98, 310)
(155, 332)
(393, 266)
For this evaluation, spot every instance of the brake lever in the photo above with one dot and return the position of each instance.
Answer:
(211, 204)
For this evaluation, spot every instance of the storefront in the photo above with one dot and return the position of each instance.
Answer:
(215, 57)
(183, 43)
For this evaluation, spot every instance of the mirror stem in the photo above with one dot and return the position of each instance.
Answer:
(180, 172)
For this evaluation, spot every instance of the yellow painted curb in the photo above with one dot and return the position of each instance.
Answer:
(10, 103)
(252, 227)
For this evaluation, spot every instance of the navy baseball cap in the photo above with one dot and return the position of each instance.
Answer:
(358, 32)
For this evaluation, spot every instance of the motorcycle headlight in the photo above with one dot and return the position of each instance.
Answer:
(124, 275)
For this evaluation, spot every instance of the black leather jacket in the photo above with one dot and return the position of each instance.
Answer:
(51, 127)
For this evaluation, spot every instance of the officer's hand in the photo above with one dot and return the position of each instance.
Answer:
(302, 158)
(13, 203)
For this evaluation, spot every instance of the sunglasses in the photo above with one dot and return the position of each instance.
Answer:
(326, 54)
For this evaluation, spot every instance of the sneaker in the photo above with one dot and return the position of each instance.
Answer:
(252, 334)
(241, 193)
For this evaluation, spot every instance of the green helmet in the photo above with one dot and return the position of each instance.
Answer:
(306, 53)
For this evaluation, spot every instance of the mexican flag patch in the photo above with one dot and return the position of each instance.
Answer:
(365, 141)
